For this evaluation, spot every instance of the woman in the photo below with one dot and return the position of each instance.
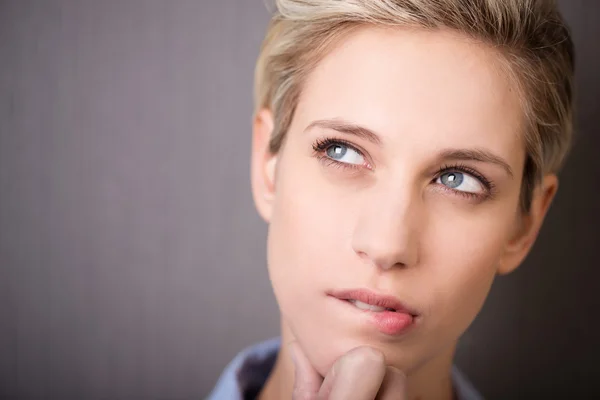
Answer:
(405, 154)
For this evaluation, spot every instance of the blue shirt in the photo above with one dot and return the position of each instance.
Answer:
(247, 373)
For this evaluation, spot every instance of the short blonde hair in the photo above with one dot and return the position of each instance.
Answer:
(530, 34)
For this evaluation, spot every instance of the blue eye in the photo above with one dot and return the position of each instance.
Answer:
(336, 151)
(461, 181)
(344, 154)
(452, 179)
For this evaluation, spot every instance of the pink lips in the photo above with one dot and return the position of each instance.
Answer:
(393, 321)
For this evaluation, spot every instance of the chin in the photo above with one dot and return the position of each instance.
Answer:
(325, 351)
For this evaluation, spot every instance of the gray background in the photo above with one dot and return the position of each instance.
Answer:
(132, 262)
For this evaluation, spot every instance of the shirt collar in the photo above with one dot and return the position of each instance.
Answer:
(247, 373)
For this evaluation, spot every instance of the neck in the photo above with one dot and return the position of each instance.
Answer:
(432, 381)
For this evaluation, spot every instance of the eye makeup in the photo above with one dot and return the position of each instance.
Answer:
(488, 186)
(322, 146)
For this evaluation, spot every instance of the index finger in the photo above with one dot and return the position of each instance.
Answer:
(307, 381)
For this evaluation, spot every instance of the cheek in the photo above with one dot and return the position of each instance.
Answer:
(305, 233)
(308, 233)
(460, 260)
(311, 225)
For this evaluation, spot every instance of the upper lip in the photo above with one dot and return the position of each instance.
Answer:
(372, 298)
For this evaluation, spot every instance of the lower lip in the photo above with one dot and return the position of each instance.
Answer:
(388, 322)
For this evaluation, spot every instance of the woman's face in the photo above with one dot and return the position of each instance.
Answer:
(400, 175)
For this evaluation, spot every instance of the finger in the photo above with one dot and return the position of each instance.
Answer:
(327, 385)
(307, 380)
(359, 375)
(393, 386)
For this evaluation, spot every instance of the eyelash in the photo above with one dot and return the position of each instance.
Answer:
(487, 184)
(320, 146)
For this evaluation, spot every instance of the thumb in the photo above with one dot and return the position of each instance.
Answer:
(307, 380)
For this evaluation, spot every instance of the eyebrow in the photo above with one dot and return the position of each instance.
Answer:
(480, 155)
(346, 127)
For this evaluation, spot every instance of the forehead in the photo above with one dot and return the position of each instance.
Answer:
(434, 87)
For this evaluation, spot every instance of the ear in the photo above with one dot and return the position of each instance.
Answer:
(529, 225)
(263, 164)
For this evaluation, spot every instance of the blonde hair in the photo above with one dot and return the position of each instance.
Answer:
(530, 35)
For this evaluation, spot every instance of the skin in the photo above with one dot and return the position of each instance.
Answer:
(389, 222)
(347, 378)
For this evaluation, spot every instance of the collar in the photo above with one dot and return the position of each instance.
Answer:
(246, 374)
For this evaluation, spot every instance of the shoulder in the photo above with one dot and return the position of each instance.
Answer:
(247, 372)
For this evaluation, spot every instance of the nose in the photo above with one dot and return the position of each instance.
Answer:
(386, 232)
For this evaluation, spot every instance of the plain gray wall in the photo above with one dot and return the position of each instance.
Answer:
(132, 262)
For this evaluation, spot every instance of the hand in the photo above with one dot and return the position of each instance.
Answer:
(360, 374)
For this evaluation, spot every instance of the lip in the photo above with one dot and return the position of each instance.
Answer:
(387, 322)
(372, 298)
